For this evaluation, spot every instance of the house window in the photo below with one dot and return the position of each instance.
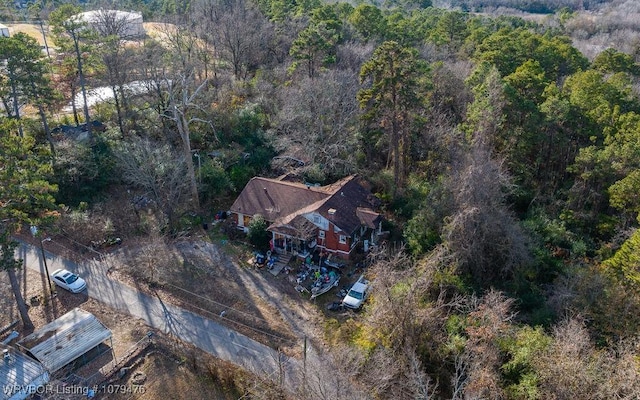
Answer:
(343, 239)
(316, 219)
(321, 234)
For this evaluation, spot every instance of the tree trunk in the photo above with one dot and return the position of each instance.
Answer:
(16, 105)
(22, 306)
(183, 127)
(45, 126)
(82, 82)
(73, 104)
(118, 109)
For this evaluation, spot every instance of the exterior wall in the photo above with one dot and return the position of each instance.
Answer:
(331, 242)
(318, 220)
(241, 220)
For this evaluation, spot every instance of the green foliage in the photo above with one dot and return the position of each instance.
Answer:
(451, 30)
(251, 154)
(214, 181)
(509, 48)
(519, 371)
(8, 248)
(368, 21)
(613, 61)
(625, 264)
(316, 44)
(26, 193)
(422, 231)
(83, 169)
(23, 73)
(397, 82)
(258, 235)
(485, 115)
(625, 193)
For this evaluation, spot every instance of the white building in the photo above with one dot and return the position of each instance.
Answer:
(113, 22)
(4, 31)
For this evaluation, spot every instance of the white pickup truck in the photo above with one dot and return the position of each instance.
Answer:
(357, 294)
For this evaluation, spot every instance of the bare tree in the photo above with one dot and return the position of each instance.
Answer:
(316, 123)
(572, 367)
(394, 368)
(239, 33)
(490, 318)
(114, 29)
(180, 84)
(482, 233)
(158, 171)
(181, 99)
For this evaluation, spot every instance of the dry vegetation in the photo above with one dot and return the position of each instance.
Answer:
(169, 369)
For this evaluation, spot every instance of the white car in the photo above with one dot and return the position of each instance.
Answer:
(68, 280)
(357, 294)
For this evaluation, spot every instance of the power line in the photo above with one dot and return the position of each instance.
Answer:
(247, 326)
(218, 303)
(226, 307)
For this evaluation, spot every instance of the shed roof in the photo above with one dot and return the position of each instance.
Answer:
(65, 339)
(20, 374)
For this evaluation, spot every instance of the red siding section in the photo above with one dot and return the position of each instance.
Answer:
(332, 243)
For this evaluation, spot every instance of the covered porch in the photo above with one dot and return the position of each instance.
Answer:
(296, 238)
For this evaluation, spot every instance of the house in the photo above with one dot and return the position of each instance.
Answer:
(303, 218)
(20, 375)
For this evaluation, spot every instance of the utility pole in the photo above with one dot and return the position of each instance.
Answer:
(46, 267)
(34, 232)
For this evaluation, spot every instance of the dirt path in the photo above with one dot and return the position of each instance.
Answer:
(323, 377)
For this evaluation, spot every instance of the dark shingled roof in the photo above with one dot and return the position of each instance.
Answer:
(283, 202)
(368, 217)
(275, 199)
(349, 196)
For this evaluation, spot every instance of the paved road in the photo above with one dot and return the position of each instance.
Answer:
(203, 333)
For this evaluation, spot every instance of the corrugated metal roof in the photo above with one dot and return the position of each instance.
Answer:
(20, 374)
(65, 339)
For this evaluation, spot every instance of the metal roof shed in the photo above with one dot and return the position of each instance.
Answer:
(4, 31)
(20, 375)
(65, 339)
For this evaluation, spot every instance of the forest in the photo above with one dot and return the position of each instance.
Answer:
(504, 146)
